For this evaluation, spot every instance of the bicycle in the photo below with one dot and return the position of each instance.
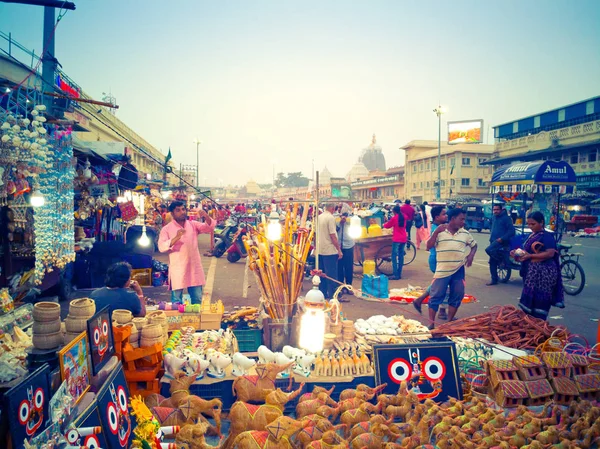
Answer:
(573, 276)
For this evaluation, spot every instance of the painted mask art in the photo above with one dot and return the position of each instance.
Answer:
(118, 415)
(31, 411)
(100, 336)
(84, 436)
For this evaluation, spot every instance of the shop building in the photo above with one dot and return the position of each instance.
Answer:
(570, 133)
(463, 172)
(381, 186)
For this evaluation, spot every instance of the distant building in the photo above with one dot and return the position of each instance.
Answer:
(358, 171)
(380, 186)
(372, 156)
(570, 133)
(461, 165)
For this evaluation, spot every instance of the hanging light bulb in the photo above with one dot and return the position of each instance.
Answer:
(87, 171)
(192, 197)
(274, 227)
(144, 240)
(121, 199)
(37, 199)
(355, 230)
(312, 322)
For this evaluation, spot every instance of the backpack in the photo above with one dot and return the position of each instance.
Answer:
(418, 220)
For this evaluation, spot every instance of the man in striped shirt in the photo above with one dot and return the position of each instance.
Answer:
(455, 248)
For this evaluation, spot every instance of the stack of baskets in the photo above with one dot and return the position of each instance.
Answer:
(46, 326)
(348, 330)
(136, 331)
(336, 329)
(123, 318)
(151, 333)
(159, 317)
(80, 311)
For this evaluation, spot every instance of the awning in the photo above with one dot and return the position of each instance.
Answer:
(535, 177)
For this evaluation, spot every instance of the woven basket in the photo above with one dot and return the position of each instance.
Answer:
(75, 324)
(145, 342)
(122, 316)
(152, 331)
(47, 341)
(70, 336)
(82, 308)
(46, 311)
(139, 322)
(156, 315)
(46, 327)
(135, 334)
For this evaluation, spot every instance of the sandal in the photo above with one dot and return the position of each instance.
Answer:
(208, 254)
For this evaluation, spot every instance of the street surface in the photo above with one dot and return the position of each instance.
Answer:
(225, 281)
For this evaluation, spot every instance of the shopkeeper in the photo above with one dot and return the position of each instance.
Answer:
(120, 291)
(179, 238)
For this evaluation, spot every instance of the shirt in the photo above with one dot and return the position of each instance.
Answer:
(428, 212)
(344, 238)
(408, 211)
(452, 251)
(185, 265)
(432, 252)
(326, 228)
(117, 298)
(399, 235)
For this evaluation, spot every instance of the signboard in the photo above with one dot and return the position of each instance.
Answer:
(466, 131)
(64, 86)
(379, 180)
(428, 369)
(588, 181)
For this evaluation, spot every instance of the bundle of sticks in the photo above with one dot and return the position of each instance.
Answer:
(504, 325)
(279, 266)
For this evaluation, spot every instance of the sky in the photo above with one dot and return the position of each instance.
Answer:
(274, 85)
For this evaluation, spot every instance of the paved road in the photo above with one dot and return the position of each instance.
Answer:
(226, 281)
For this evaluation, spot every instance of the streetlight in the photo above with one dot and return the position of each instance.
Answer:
(197, 142)
(439, 111)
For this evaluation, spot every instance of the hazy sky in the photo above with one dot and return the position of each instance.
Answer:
(289, 81)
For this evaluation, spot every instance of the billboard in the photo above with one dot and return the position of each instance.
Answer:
(465, 131)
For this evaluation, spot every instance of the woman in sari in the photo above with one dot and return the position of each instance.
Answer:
(542, 282)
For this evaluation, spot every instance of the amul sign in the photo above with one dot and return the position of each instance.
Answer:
(66, 87)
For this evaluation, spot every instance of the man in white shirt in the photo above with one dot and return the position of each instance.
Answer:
(428, 211)
(329, 250)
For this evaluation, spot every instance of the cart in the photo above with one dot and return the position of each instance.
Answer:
(544, 182)
(379, 249)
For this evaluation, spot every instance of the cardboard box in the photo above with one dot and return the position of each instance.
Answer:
(210, 321)
(178, 320)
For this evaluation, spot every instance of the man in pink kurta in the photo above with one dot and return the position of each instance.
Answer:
(179, 238)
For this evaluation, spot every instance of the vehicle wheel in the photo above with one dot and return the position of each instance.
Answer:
(383, 260)
(410, 252)
(504, 273)
(573, 277)
(233, 257)
(219, 249)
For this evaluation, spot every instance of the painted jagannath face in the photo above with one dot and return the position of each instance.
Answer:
(119, 422)
(100, 335)
(31, 411)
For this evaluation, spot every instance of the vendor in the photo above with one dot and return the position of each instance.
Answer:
(117, 293)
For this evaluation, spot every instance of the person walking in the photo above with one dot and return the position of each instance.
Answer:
(409, 215)
(439, 216)
(542, 281)
(428, 212)
(422, 225)
(399, 238)
(180, 240)
(502, 231)
(329, 249)
(346, 263)
(452, 242)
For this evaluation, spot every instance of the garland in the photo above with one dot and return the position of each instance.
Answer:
(509, 198)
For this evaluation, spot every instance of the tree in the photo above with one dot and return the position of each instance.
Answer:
(296, 179)
(280, 180)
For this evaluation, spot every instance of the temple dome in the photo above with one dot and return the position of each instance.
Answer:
(372, 156)
(358, 171)
(325, 177)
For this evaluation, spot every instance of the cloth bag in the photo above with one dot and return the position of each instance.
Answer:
(377, 286)
(128, 211)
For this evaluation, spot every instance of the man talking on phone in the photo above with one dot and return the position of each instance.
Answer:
(179, 239)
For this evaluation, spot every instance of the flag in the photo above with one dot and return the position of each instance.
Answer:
(169, 157)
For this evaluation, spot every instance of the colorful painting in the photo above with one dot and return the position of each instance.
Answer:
(430, 369)
(100, 336)
(87, 429)
(113, 404)
(74, 369)
(28, 405)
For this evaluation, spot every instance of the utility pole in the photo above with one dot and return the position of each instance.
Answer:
(197, 142)
(49, 62)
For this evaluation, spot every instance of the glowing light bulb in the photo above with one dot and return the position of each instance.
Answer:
(274, 227)
(37, 199)
(312, 322)
(144, 240)
(355, 230)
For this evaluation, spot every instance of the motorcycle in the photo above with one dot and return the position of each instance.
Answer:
(224, 236)
(237, 250)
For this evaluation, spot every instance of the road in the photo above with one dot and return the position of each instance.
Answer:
(225, 281)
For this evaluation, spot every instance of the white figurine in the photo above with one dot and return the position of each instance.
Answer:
(218, 363)
(241, 364)
(304, 364)
(265, 355)
(281, 359)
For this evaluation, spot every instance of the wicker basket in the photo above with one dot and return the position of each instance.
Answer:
(139, 322)
(46, 311)
(82, 308)
(145, 342)
(70, 336)
(75, 324)
(152, 331)
(47, 341)
(46, 327)
(156, 315)
(122, 316)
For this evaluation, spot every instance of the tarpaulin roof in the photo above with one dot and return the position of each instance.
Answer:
(535, 177)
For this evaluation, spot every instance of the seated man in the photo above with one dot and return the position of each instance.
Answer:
(116, 294)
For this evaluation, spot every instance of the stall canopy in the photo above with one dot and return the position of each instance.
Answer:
(535, 177)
